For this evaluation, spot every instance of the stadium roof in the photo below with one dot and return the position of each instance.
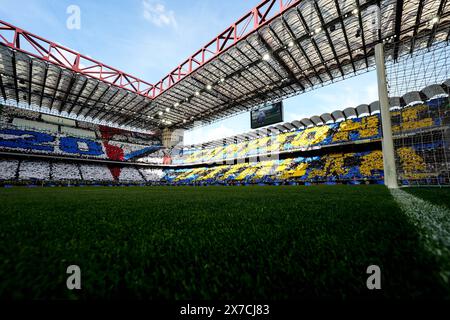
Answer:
(278, 49)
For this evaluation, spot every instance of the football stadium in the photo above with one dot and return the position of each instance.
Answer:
(102, 197)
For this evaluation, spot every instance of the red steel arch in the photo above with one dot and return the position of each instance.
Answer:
(250, 22)
(38, 47)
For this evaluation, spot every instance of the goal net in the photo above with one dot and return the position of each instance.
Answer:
(418, 89)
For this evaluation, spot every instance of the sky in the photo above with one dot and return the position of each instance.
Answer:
(148, 38)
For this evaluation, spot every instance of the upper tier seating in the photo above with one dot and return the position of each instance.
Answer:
(82, 129)
(40, 137)
(414, 117)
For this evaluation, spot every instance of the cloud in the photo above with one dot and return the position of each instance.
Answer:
(158, 15)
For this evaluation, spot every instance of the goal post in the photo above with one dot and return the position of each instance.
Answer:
(390, 171)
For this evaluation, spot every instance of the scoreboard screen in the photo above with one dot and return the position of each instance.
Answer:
(266, 115)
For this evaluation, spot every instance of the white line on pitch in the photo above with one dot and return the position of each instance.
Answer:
(433, 223)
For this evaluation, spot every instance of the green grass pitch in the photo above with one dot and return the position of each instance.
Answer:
(210, 243)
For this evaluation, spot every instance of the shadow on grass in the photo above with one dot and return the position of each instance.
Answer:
(211, 243)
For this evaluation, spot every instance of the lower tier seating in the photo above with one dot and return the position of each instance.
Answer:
(96, 172)
(152, 175)
(8, 169)
(65, 171)
(34, 170)
(130, 174)
(328, 168)
(416, 163)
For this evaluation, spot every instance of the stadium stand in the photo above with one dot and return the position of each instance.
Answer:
(95, 172)
(23, 131)
(341, 147)
(34, 170)
(65, 172)
(130, 174)
(343, 167)
(8, 169)
(60, 172)
(152, 175)
(419, 116)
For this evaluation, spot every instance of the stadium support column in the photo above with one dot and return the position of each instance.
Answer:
(171, 138)
(390, 172)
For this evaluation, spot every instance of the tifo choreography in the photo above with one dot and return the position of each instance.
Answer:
(345, 151)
